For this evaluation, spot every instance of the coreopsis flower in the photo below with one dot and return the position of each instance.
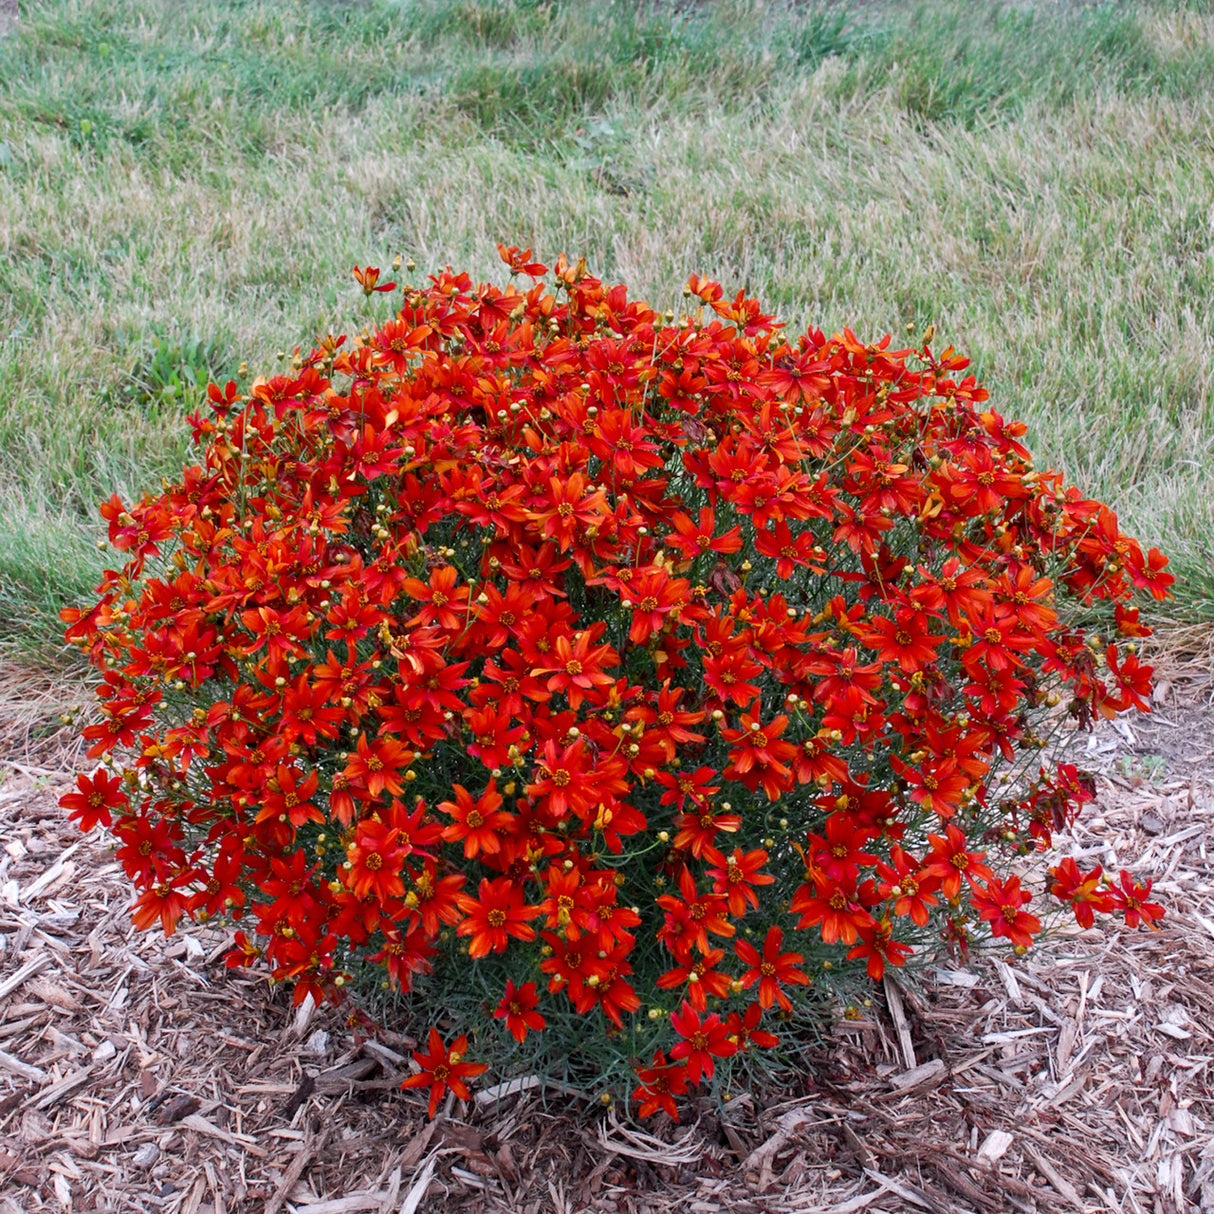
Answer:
(374, 860)
(96, 795)
(738, 877)
(368, 279)
(517, 1008)
(692, 915)
(443, 1068)
(771, 969)
(878, 948)
(494, 915)
(744, 1029)
(1001, 904)
(659, 1083)
(951, 861)
(635, 572)
(1084, 891)
(703, 1041)
(1130, 899)
(700, 976)
(477, 822)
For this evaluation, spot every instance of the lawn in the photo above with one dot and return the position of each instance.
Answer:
(184, 189)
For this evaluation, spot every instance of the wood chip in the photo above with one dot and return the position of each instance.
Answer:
(995, 1146)
(924, 1075)
(34, 1073)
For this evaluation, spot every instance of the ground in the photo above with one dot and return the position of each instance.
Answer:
(137, 1074)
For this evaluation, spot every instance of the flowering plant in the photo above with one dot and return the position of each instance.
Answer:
(644, 670)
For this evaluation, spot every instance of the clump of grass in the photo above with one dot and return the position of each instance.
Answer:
(1030, 178)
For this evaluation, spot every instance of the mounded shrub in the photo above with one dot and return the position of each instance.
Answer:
(611, 680)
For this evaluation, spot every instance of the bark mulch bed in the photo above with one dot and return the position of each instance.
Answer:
(137, 1074)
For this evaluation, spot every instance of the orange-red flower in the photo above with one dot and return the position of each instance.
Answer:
(517, 1008)
(96, 795)
(550, 534)
(374, 861)
(770, 970)
(368, 279)
(703, 1041)
(1084, 891)
(443, 1068)
(660, 1083)
(951, 861)
(1130, 899)
(905, 639)
(578, 666)
(701, 977)
(494, 915)
(692, 916)
(1001, 903)
(378, 765)
(878, 948)
(737, 875)
(477, 822)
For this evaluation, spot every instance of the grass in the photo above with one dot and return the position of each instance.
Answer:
(186, 187)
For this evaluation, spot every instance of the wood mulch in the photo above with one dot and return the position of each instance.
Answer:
(137, 1074)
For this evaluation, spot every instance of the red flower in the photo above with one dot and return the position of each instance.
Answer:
(771, 969)
(660, 1083)
(789, 551)
(494, 915)
(1133, 680)
(690, 918)
(701, 977)
(290, 798)
(669, 722)
(905, 639)
(96, 795)
(1150, 574)
(578, 666)
(878, 945)
(1001, 905)
(368, 280)
(735, 877)
(568, 508)
(477, 823)
(374, 859)
(757, 756)
(517, 1008)
(653, 595)
(377, 765)
(832, 905)
(519, 261)
(567, 779)
(1084, 891)
(694, 784)
(704, 1041)
(435, 898)
(1129, 898)
(165, 901)
(996, 641)
(950, 861)
(911, 889)
(745, 1028)
(445, 603)
(444, 1068)
(223, 889)
(694, 539)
